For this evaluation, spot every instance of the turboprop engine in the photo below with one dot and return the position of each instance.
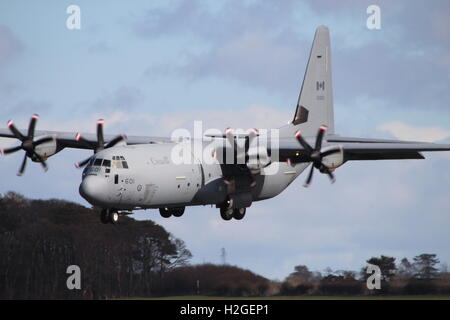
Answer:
(257, 158)
(36, 149)
(46, 149)
(334, 160)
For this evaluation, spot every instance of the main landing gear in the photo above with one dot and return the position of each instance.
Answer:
(228, 213)
(167, 212)
(109, 216)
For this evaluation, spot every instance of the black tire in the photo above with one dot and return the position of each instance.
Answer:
(239, 213)
(178, 212)
(165, 212)
(226, 213)
(104, 216)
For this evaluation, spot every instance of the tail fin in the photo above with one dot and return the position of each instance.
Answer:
(315, 103)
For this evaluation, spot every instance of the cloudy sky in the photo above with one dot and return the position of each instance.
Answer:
(154, 66)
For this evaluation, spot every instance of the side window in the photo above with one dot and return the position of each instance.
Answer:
(124, 164)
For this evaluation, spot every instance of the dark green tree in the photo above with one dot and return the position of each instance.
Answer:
(425, 265)
(301, 274)
(40, 239)
(405, 268)
(386, 265)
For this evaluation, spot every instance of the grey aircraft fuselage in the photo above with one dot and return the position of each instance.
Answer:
(150, 179)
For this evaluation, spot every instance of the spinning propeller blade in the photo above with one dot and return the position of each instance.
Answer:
(98, 145)
(315, 155)
(28, 145)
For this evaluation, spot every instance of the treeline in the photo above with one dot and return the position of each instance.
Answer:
(215, 280)
(420, 276)
(40, 239)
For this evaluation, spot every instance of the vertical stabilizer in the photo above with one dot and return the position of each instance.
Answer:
(315, 103)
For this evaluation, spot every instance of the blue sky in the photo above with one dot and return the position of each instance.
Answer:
(149, 67)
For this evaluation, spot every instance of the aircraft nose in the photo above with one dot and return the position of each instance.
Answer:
(93, 189)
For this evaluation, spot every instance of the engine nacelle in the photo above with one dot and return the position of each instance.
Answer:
(47, 149)
(334, 160)
(258, 158)
(230, 153)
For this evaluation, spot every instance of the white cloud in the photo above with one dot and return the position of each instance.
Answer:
(405, 131)
(252, 116)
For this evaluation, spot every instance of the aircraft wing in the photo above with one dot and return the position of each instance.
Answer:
(68, 139)
(364, 149)
(389, 151)
(339, 139)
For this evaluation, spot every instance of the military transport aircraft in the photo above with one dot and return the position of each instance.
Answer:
(131, 173)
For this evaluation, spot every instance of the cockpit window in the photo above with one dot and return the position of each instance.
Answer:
(106, 163)
(98, 162)
(119, 162)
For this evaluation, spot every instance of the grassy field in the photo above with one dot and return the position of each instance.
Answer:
(421, 297)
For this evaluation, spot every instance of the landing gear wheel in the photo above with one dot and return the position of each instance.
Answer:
(178, 212)
(226, 213)
(165, 212)
(113, 217)
(104, 216)
(239, 213)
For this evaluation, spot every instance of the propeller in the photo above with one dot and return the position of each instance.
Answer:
(315, 155)
(241, 156)
(28, 144)
(98, 145)
(248, 139)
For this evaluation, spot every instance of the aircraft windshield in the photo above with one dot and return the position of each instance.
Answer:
(119, 162)
(101, 162)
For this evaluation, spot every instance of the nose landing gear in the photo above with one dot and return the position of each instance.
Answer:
(109, 216)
